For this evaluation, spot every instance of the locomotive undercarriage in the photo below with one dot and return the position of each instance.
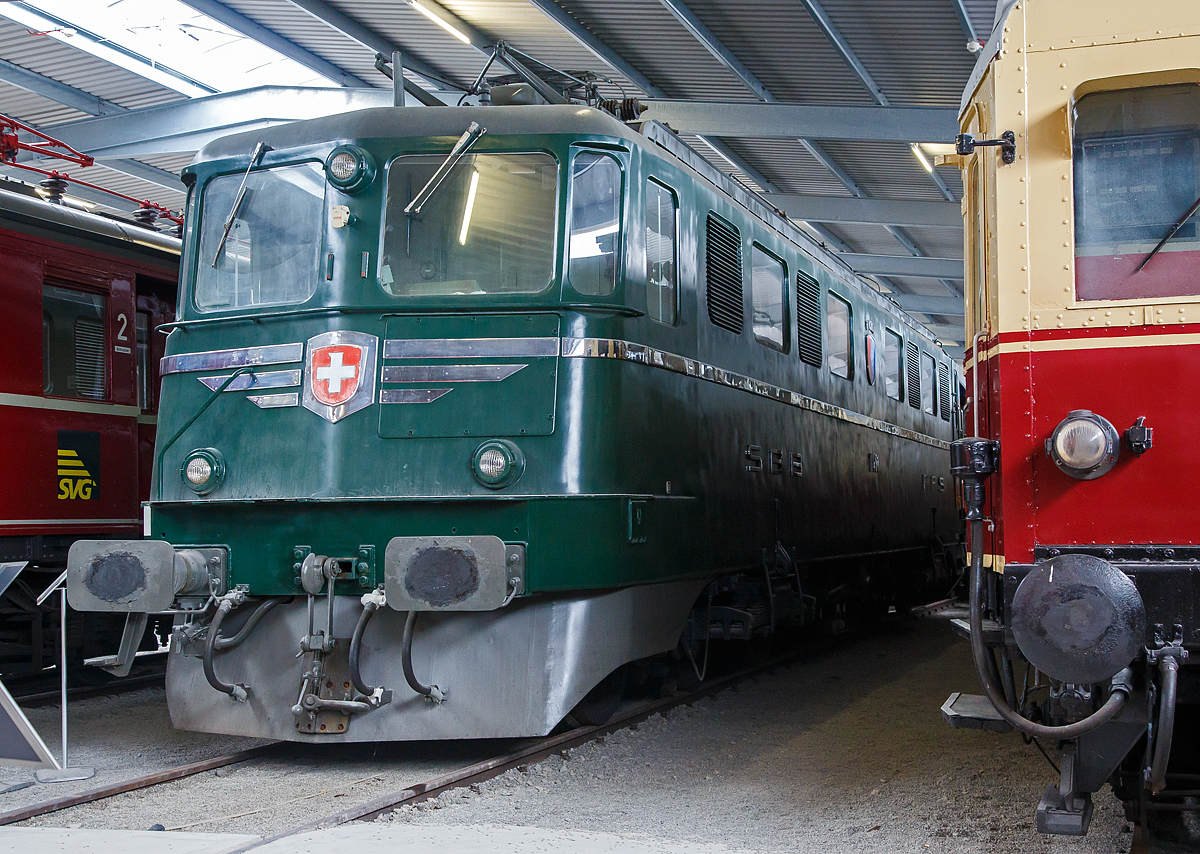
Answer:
(514, 671)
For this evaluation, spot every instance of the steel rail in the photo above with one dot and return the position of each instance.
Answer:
(535, 751)
(531, 753)
(131, 683)
(144, 782)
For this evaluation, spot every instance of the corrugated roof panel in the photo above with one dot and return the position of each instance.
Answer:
(653, 41)
(915, 51)
(778, 42)
(789, 165)
(885, 170)
(51, 58)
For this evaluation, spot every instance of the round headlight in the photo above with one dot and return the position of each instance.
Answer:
(350, 168)
(1084, 445)
(493, 464)
(343, 166)
(497, 463)
(198, 471)
(203, 470)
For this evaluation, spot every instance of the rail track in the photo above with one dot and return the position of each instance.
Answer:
(532, 751)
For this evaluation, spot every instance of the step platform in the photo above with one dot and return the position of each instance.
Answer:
(993, 632)
(973, 711)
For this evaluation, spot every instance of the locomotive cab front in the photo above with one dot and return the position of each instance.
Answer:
(384, 319)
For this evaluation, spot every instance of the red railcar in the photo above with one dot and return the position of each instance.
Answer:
(81, 295)
(1080, 152)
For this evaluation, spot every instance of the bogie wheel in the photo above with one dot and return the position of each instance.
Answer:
(601, 702)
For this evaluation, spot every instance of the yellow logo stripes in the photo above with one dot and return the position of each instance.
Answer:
(75, 481)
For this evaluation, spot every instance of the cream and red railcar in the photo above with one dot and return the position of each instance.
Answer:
(1080, 156)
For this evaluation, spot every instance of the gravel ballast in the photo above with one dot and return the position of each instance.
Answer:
(842, 751)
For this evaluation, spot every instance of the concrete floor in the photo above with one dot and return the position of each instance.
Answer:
(844, 752)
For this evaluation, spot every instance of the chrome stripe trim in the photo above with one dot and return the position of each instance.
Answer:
(627, 351)
(274, 401)
(215, 360)
(268, 379)
(411, 395)
(457, 348)
(449, 373)
(18, 523)
(30, 401)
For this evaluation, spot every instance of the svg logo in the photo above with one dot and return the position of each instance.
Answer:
(78, 465)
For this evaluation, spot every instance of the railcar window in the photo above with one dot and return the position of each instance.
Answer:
(1135, 156)
(837, 321)
(489, 228)
(662, 284)
(928, 384)
(723, 269)
(272, 253)
(595, 223)
(768, 296)
(74, 345)
(808, 319)
(892, 385)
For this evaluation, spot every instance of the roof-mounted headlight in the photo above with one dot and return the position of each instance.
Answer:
(350, 168)
(1084, 445)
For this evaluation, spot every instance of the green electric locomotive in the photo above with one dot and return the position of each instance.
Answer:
(467, 408)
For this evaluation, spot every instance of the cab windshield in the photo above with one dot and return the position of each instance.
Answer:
(271, 255)
(489, 228)
(1137, 188)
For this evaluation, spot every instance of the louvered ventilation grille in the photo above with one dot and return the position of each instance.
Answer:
(89, 359)
(944, 392)
(808, 318)
(723, 264)
(912, 361)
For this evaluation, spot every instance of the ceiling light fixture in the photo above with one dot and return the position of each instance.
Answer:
(445, 25)
(920, 155)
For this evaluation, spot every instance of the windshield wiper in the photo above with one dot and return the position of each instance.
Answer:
(1170, 233)
(464, 144)
(259, 150)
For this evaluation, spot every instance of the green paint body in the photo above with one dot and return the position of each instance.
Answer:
(634, 473)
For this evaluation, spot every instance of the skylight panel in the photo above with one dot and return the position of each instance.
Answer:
(165, 41)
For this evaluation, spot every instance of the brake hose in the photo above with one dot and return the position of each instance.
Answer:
(1121, 686)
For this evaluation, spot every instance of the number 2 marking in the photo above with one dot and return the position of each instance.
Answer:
(124, 321)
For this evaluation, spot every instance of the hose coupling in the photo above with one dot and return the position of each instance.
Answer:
(374, 600)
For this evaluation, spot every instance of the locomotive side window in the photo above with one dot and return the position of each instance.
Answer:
(595, 223)
(74, 345)
(489, 228)
(662, 285)
(837, 321)
(928, 384)
(1135, 156)
(271, 252)
(808, 319)
(891, 364)
(768, 295)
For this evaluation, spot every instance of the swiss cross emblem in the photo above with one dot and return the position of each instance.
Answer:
(335, 372)
(339, 374)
